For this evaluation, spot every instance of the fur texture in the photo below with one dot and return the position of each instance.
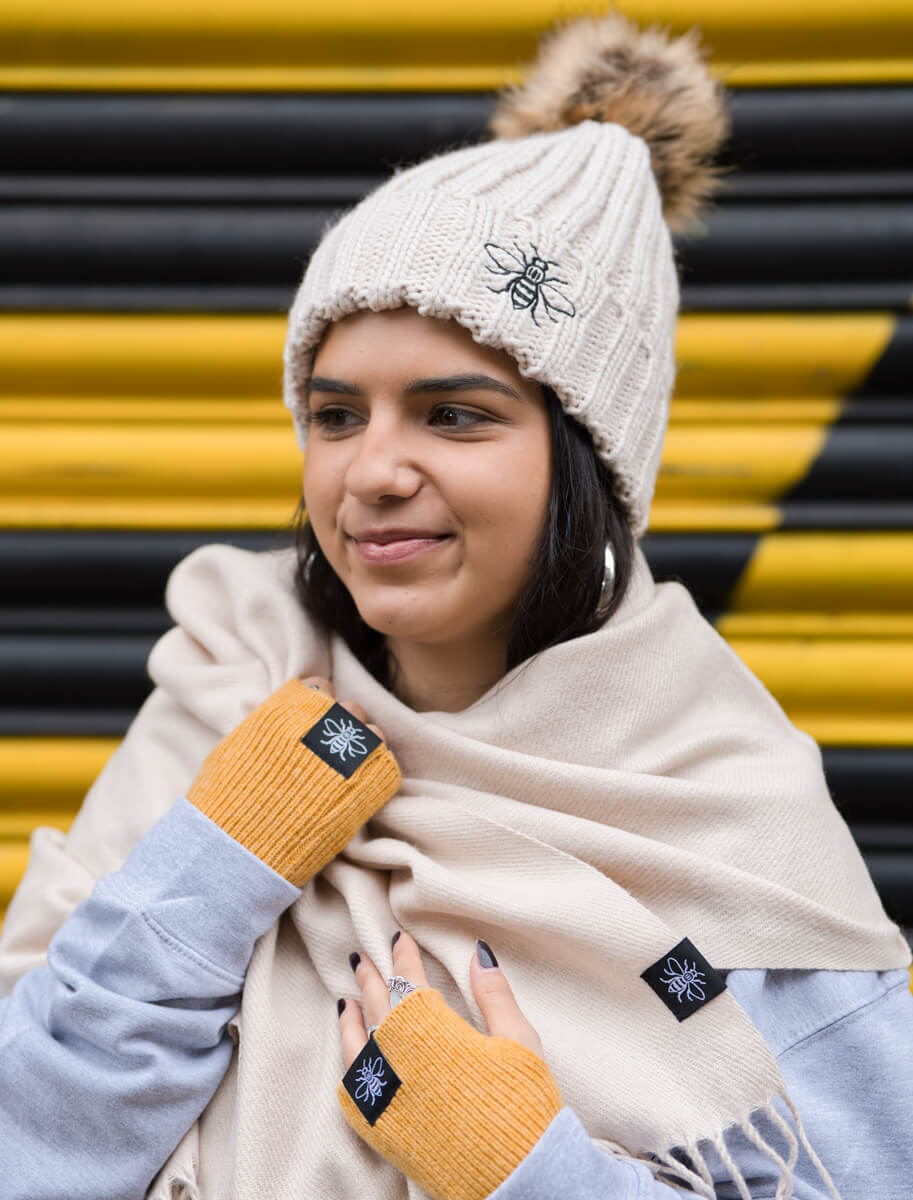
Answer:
(607, 69)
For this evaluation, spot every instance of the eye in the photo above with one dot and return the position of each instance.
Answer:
(451, 417)
(332, 418)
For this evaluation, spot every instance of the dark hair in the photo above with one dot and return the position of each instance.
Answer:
(565, 579)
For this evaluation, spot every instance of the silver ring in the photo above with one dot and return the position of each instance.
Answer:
(399, 986)
(371, 1029)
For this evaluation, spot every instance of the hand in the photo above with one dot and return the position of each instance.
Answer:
(489, 986)
(318, 683)
(455, 1110)
(296, 780)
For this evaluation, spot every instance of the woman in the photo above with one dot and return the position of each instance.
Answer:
(580, 773)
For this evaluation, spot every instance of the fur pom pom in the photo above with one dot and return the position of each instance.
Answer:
(607, 69)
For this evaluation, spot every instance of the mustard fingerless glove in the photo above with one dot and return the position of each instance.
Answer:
(296, 780)
(454, 1110)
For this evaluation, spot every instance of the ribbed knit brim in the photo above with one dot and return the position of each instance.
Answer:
(464, 235)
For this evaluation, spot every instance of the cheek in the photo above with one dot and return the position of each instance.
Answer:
(509, 502)
(320, 487)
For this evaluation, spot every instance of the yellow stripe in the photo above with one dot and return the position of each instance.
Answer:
(404, 44)
(742, 359)
(841, 572)
(122, 462)
(842, 692)
(439, 78)
(759, 355)
(127, 357)
(49, 773)
(14, 857)
(735, 464)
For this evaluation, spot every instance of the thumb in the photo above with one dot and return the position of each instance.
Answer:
(496, 1000)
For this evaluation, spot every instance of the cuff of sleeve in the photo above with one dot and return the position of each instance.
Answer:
(454, 1109)
(564, 1162)
(296, 780)
(202, 888)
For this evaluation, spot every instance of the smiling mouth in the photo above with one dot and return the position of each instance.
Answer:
(386, 549)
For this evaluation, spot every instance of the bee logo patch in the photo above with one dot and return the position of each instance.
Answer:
(371, 1082)
(341, 740)
(529, 283)
(684, 980)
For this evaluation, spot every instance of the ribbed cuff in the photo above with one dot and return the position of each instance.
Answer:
(292, 805)
(466, 1109)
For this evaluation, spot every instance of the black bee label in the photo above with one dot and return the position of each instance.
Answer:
(529, 284)
(341, 740)
(684, 980)
(371, 1082)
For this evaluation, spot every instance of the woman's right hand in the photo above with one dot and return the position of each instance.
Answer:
(319, 683)
(297, 778)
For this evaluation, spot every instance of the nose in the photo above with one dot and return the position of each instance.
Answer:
(382, 466)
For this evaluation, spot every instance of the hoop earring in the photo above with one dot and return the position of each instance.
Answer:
(608, 581)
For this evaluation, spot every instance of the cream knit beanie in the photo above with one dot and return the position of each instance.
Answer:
(550, 242)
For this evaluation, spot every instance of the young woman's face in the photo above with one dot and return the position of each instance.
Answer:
(426, 476)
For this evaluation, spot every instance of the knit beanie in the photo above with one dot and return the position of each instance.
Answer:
(550, 241)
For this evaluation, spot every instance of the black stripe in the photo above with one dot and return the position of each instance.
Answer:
(858, 463)
(790, 129)
(709, 565)
(850, 515)
(892, 374)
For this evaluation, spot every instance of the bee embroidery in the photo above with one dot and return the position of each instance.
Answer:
(529, 283)
(370, 1079)
(343, 737)
(684, 980)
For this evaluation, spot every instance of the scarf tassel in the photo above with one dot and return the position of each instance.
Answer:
(696, 1175)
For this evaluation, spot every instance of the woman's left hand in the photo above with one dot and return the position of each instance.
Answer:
(455, 1110)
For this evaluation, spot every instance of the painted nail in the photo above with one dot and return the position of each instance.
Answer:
(340, 1007)
(485, 955)
(354, 960)
(395, 938)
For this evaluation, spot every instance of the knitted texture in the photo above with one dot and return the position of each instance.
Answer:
(470, 1107)
(551, 247)
(278, 798)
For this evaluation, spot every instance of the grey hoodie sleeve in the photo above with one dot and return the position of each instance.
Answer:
(844, 1044)
(111, 1050)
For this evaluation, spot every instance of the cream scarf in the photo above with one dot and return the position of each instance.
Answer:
(615, 795)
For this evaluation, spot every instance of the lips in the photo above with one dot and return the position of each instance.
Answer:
(381, 547)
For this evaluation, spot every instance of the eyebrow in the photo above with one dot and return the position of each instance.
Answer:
(446, 383)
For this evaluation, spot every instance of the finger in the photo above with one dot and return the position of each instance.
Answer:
(376, 729)
(407, 961)
(356, 710)
(375, 996)
(319, 684)
(351, 1031)
(498, 1004)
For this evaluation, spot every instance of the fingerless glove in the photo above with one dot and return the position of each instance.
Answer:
(296, 780)
(455, 1110)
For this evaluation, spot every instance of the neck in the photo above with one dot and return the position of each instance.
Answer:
(444, 678)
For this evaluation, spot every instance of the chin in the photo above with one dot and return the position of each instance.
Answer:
(405, 618)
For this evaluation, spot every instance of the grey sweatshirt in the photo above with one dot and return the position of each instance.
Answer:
(111, 1050)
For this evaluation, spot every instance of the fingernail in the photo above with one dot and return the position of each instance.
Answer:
(485, 955)
(340, 1007)
(354, 960)
(395, 938)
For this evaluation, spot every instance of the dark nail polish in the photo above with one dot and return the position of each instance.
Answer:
(354, 960)
(395, 938)
(485, 954)
(340, 1007)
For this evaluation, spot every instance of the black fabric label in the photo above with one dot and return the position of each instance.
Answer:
(341, 740)
(684, 980)
(371, 1082)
